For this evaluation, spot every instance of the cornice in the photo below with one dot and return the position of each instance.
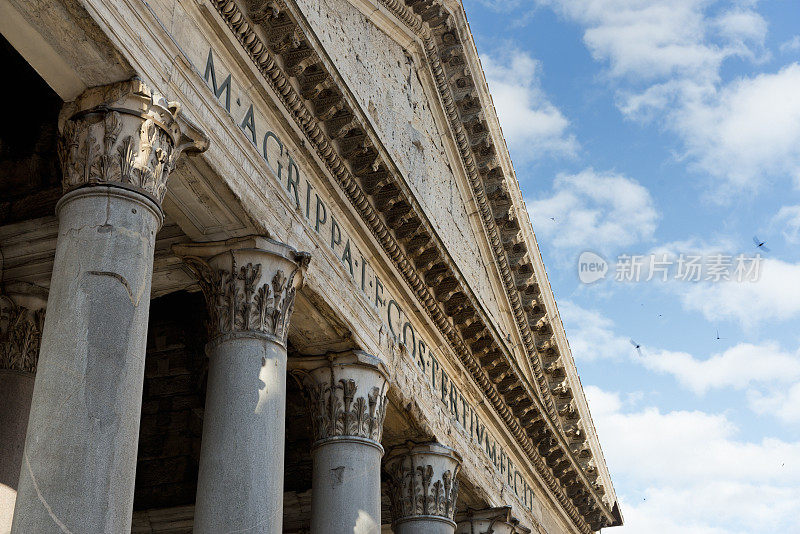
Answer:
(454, 65)
(544, 422)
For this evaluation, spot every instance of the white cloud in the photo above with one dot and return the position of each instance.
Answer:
(532, 125)
(783, 404)
(657, 39)
(746, 130)
(743, 30)
(768, 292)
(769, 375)
(737, 367)
(591, 335)
(792, 45)
(789, 218)
(664, 58)
(698, 509)
(689, 471)
(775, 296)
(594, 210)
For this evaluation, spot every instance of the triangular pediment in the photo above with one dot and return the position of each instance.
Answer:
(404, 122)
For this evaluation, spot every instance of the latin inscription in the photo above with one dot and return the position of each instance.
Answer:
(300, 190)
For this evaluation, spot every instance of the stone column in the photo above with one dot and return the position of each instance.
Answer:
(119, 144)
(346, 394)
(250, 285)
(21, 320)
(489, 521)
(423, 488)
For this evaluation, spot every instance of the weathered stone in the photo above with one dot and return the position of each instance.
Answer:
(423, 488)
(346, 397)
(489, 521)
(250, 285)
(89, 379)
(376, 113)
(22, 308)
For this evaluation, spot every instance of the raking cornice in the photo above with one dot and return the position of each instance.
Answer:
(544, 422)
(444, 35)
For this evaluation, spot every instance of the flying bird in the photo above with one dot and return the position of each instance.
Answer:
(637, 347)
(760, 244)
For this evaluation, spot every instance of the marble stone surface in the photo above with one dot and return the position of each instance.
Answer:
(384, 77)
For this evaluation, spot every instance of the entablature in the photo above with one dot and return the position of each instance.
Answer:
(328, 121)
(283, 47)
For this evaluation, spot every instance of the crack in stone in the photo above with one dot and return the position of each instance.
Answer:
(134, 298)
(55, 519)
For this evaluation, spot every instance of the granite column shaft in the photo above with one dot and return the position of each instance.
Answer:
(346, 394)
(118, 146)
(250, 285)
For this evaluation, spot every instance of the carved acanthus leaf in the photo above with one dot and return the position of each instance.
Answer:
(344, 400)
(122, 134)
(244, 301)
(20, 335)
(423, 484)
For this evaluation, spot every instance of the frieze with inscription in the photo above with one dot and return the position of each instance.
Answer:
(302, 191)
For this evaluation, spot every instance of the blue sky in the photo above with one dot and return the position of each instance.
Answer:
(672, 127)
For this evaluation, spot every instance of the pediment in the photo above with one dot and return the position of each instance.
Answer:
(514, 348)
(390, 79)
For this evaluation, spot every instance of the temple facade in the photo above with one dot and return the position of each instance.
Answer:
(266, 268)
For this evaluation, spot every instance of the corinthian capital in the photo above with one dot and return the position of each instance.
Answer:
(345, 393)
(124, 134)
(22, 309)
(249, 284)
(422, 482)
(490, 521)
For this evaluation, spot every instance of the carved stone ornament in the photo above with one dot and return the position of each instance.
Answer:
(124, 134)
(489, 521)
(22, 310)
(345, 393)
(249, 284)
(422, 481)
(284, 49)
